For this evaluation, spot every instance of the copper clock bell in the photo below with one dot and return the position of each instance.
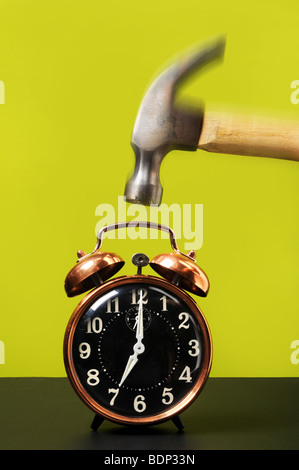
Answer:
(91, 271)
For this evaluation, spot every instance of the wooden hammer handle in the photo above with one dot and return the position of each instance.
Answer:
(252, 136)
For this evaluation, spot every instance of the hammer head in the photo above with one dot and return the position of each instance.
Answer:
(161, 126)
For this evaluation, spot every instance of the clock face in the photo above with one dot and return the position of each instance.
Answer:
(137, 350)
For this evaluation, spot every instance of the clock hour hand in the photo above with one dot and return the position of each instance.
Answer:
(132, 361)
(130, 364)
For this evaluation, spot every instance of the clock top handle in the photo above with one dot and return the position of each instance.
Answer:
(95, 268)
(178, 268)
(143, 224)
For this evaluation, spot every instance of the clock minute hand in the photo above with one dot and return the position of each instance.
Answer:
(139, 326)
(138, 347)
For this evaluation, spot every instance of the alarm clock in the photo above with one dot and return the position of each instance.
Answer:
(137, 349)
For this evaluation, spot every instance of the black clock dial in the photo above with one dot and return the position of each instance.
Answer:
(154, 365)
(139, 349)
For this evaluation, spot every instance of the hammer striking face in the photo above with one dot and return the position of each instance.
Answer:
(162, 126)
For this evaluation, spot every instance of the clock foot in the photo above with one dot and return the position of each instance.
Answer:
(96, 423)
(178, 423)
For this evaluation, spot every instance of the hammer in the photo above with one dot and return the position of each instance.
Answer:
(162, 125)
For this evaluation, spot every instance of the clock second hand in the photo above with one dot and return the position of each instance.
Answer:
(138, 347)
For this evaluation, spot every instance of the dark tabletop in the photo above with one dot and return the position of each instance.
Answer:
(229, 414)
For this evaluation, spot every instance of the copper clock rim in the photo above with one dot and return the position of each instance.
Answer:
(84, 395)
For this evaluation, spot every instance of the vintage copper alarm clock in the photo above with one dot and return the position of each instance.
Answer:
(137, 349)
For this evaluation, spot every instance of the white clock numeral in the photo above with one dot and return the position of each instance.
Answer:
(141, 294)
(84, 350)
(195, 349)
(185, 317)
(93, 377)
(95, 325)
(186, 375)
(115, 308)
(168, 396)
(115, 391)
(164, 303)
(139, 404)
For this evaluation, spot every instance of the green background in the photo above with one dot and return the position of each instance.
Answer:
(75, 73)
